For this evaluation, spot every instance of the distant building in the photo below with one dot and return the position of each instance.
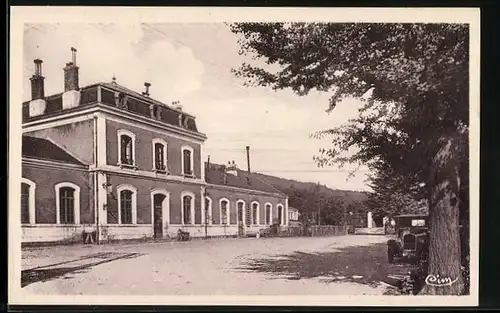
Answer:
(106, 159)
(293, 216)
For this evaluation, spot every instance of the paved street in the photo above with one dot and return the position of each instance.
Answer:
(348, 265)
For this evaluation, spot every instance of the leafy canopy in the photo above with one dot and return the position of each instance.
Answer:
(413, 77)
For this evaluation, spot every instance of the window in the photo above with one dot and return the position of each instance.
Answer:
(126, 207)
(67, 203)
(224, 210)
(280, 214)
(255, 213)
(187, 208)
(241, 211)
(25, 209)
(187, 160)
(159, 155)
(27, 201)
(208, 210)
(248, 216)
(127, 204)
(268, 214)
(126, 148)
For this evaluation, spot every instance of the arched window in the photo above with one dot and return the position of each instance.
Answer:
(187, 208)
(208, 210)
(126, 148)
(27, 201)
(224, 211)
(269, 214)
(127, 204)
(240, 212)
(255, 213)
(159, 155)
(187, 160)
(67, 203)
(280, 214)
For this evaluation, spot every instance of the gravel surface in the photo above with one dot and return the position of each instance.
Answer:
(343, 265)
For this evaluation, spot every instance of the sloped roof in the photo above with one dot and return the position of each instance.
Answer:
(44, 149)
(120, 88)
(214, 174)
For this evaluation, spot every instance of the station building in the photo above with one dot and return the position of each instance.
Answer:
(108, 160)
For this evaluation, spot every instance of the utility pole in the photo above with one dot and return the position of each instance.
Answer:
(248, 158)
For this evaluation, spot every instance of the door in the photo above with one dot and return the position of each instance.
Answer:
(158, 215)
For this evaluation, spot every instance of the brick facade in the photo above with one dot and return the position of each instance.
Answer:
(46, 179)
(144, 148)
(92, 145)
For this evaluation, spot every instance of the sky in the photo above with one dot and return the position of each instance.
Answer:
(192, 63)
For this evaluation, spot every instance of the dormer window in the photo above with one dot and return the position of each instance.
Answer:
(126, 148)
(187, 161)
(159, 155)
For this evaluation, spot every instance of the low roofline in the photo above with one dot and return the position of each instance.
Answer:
(212, 185)
(45, 162)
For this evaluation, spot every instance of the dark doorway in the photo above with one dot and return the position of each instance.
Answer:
(158, 215)
(280, 215)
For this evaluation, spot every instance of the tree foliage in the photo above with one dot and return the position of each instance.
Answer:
(412, 130)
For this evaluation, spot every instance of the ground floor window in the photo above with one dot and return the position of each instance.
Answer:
(255, 213)
(268, 214)
(208, 210)
(25, 203)
(280, 214)
(67, 203)
(126, 207)
(224, 205)
(187, 209)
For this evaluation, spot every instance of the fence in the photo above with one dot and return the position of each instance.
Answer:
(327, 230)
(370, 231)
(312, 231)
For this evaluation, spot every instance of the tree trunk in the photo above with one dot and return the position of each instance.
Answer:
(444, 273)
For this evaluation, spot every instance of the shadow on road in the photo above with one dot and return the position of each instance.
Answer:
(362, 264)
(53, 271)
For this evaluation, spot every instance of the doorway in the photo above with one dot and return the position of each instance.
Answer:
(158, 215)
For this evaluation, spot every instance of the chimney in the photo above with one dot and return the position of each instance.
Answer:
(37, 87)
(71, 73)
(232, 168)
(37, 104)
(71, 95)
(177, 105)
(146, 93)
(248, 159)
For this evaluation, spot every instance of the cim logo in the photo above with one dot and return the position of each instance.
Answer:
(437, 281)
